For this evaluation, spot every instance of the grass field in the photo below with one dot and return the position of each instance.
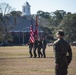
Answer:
(15, 61)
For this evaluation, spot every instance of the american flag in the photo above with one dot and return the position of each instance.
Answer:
(31, 34)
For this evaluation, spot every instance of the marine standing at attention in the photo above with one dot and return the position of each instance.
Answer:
(61, 49)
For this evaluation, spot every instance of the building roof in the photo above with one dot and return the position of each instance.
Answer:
(21, 24)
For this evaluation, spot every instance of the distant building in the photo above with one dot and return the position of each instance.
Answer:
(26, 9)
(21, 27)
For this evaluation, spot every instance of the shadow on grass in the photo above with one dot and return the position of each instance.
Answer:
(3, 58)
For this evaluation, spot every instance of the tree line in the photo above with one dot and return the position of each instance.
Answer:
(50, 22)
(57, 20)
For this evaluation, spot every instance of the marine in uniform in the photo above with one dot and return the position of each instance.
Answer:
(35, 47)
(61, 49)
(39, 48)
(44, 47)
(30, 48)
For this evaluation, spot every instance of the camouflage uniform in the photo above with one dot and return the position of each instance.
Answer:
(30, 48)
(39, 48)
(61, 48)
(44, 47)
(35, 48)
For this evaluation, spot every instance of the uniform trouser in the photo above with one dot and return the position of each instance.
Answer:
(39, 52)
(44, 54)
(30, 51)
(35, 55)
(61, 70)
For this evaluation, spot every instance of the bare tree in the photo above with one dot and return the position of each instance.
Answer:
(5, 8)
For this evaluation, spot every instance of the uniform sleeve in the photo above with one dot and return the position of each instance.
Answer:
(69, 54)
(57, 57)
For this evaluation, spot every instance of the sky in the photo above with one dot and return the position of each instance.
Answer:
(44, 5)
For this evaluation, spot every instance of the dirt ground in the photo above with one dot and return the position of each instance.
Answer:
(15, 61)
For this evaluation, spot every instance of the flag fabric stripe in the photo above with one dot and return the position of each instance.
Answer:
(36, 28)
(31, 34)
(36, 21)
